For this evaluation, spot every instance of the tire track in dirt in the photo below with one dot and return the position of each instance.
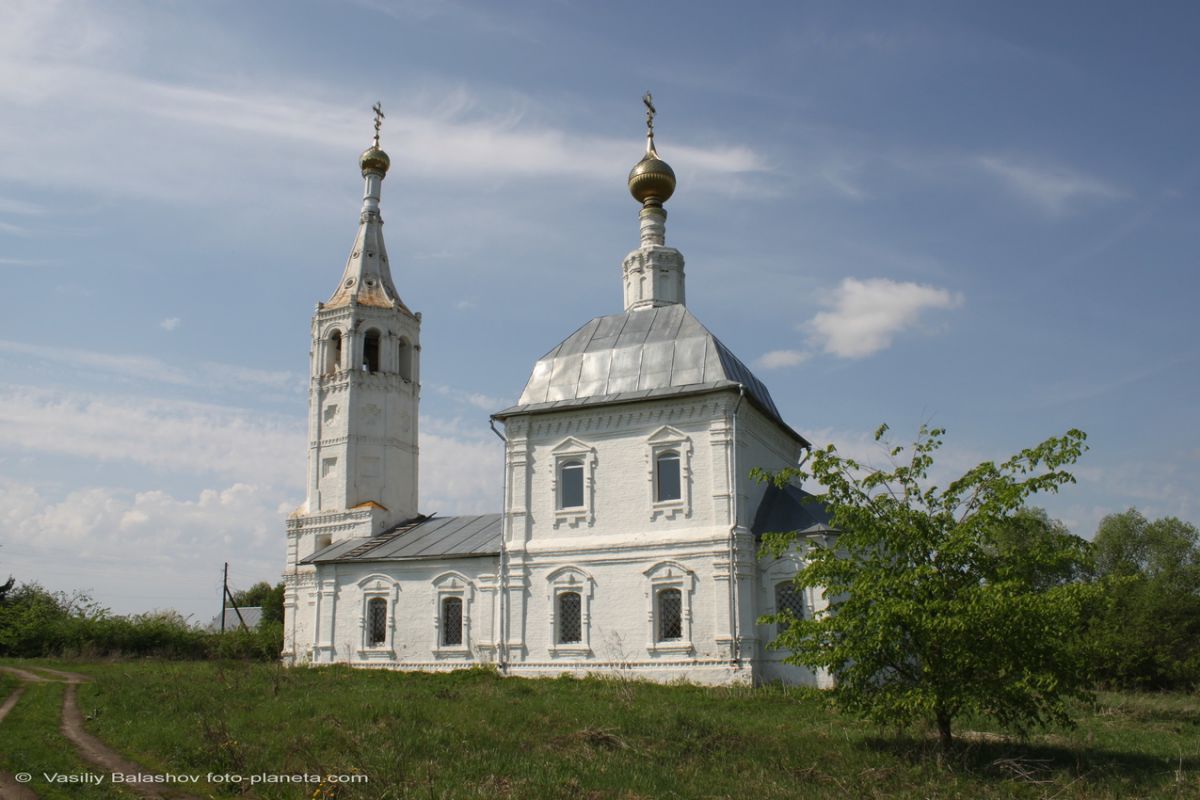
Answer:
(100, 754)
(89, 747)
(10, 789)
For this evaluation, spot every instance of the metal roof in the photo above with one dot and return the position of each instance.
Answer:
(646, 353)
(252, 615)
(790, 510)
(425, 537)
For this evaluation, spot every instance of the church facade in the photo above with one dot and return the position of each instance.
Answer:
(628, 537)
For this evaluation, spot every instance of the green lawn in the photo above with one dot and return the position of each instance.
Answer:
(475, 735)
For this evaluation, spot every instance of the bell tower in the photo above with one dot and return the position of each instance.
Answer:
(364, 386)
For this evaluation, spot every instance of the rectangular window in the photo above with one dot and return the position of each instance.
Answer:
(667, 481)
(570, 485)
(452, 627)
(570, 619)
(788, 599)
(376, 622)
(670, 615)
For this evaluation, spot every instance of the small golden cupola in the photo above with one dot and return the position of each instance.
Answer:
(651, 181)
(653, 273)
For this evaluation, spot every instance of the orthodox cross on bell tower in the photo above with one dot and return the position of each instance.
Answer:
(378, 109)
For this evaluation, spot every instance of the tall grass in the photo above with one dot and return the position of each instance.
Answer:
(473, 734)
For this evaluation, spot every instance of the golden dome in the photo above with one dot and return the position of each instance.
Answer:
(374, 160)
(652, 181)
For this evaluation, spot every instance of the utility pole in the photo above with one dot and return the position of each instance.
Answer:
(227, 595)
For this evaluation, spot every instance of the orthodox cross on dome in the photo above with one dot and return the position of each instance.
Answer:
(378, 109)
(648, 100)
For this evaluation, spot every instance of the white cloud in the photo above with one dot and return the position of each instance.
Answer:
(1052, 189)
(170, 323)
(866, 315)
(135, 551)
(165, 434)
(777, 359)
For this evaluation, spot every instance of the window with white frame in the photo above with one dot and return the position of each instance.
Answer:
(569, 593)
(788, 600)
(670, 615)
(452, 622)
(669, 477)
(570, 618)
(570, 484)
(573, 483)
(452, 615)
(379, 596)
(376, 621)
(666, 477)
(670, 595)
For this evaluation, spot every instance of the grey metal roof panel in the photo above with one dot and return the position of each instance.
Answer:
(432, 537)
(649, 351)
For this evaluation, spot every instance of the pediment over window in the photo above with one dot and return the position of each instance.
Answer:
(569, 576)
(571, 445)
(666, 570)
(452, 580)
(667, 435)
(377, 581)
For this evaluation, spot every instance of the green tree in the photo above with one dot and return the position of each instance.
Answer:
(939, 604)
(1148, 636)
(263, 594)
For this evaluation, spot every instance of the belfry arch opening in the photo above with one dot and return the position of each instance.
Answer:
(370, 360)
(404, 359)
(333, 353)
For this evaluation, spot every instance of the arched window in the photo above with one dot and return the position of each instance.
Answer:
(333, 353)
(376, 621)
(666, 477)
(452, 622)
(404, 359)
(370, 362)
(570, 484)
(670, 615)
(570, 618)
(788, 600)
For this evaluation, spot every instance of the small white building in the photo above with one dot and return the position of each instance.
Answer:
(628, 538)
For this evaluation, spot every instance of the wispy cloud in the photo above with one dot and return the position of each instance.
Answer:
(1054, 190)
(221, 128)
(866, 315)
(207, 374)
(170, 323)
(777, 359)
(479, 400)
(165, 434)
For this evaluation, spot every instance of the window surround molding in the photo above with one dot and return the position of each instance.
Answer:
(372, 587)
(669, 439)
(669, 575)
(572, 449)
(571, 579)
(446, 585)
(780, 571)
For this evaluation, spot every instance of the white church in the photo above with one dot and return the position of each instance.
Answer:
(628, 537)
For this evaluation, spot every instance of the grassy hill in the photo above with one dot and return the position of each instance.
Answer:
(476, 735)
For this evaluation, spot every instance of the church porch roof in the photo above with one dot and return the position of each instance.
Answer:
(422, 538)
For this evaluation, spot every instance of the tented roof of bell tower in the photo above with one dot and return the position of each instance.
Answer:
(638, 355)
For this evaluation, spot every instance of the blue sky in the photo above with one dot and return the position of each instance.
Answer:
(982, 216)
